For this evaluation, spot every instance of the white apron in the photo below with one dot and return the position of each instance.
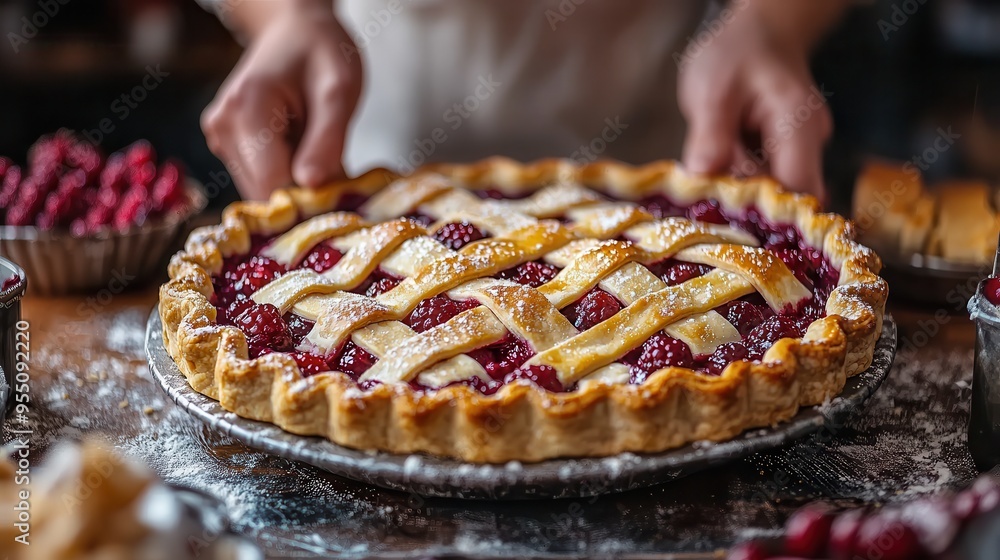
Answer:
(458, 80)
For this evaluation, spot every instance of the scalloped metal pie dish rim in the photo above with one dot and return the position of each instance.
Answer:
(556, 478)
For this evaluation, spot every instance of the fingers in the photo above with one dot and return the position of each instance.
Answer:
(248, 130)
(794, 135)
(329, 105)
(712, 136)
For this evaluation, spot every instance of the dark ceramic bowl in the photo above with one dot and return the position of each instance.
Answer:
(10, 326)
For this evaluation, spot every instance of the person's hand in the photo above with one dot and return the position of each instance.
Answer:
(282, 114)
(752, 107)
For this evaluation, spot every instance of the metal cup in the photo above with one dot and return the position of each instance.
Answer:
(10, 318)
(984, 415)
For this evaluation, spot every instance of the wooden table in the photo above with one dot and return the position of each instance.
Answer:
(89, 374)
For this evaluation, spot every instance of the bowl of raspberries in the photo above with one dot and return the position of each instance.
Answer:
(77, 221)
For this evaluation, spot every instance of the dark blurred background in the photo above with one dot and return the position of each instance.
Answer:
(898, 70)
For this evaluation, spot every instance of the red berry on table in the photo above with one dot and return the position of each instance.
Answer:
(888, 538)
(807, 532)
(844, 534)
(748, 551)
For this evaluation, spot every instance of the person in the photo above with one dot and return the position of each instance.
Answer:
(458, 80)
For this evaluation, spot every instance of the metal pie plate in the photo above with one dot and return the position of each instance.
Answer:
(556, 478)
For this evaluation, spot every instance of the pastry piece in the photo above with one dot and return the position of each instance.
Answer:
(892, 209)
(966, 225)
(501, 311)
(955, 220)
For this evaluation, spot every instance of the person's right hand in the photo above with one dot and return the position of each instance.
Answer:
(282, 114)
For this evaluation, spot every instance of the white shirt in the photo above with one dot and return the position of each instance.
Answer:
(459, 80)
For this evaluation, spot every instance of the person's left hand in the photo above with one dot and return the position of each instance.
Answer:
(752, 108)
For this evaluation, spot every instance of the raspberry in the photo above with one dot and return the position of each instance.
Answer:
(797, 263)
(658, 352)
(254, 274)
(594, 307)
(322, 257)
(457, 235)
(807, 532)
(138, 154)
(264, 329)
(707, 211)
(99, 216)
(310, 364)
(168, 189)
(743, 315)
(112, 177)
(381, 286)
(141, 176)
(50, 149)
(85, 157)
(724, 355)
(9, 188)
(770, 331)
(543, 376)
(299, 326)
(354, 360)
(133, 209)
(991, 289)
(434, 311)
(531, 273)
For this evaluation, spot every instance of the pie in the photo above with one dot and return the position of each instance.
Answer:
(501, 311)
(898, 215)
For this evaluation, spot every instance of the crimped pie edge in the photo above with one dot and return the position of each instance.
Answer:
(521, 421)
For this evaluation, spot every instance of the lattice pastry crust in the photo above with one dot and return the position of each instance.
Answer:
(604, 414)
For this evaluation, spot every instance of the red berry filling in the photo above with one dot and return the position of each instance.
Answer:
(504, 361)
(254, 274)
(435, 311)
(531, 273)
(658, 352)
(354, 360)
(543, 376)
(264, 329)
(594, 307)
(458, 234)
(310, 364)
(503, 357)
(322, 258)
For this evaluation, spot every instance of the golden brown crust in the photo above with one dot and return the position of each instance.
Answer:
(521, 421)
